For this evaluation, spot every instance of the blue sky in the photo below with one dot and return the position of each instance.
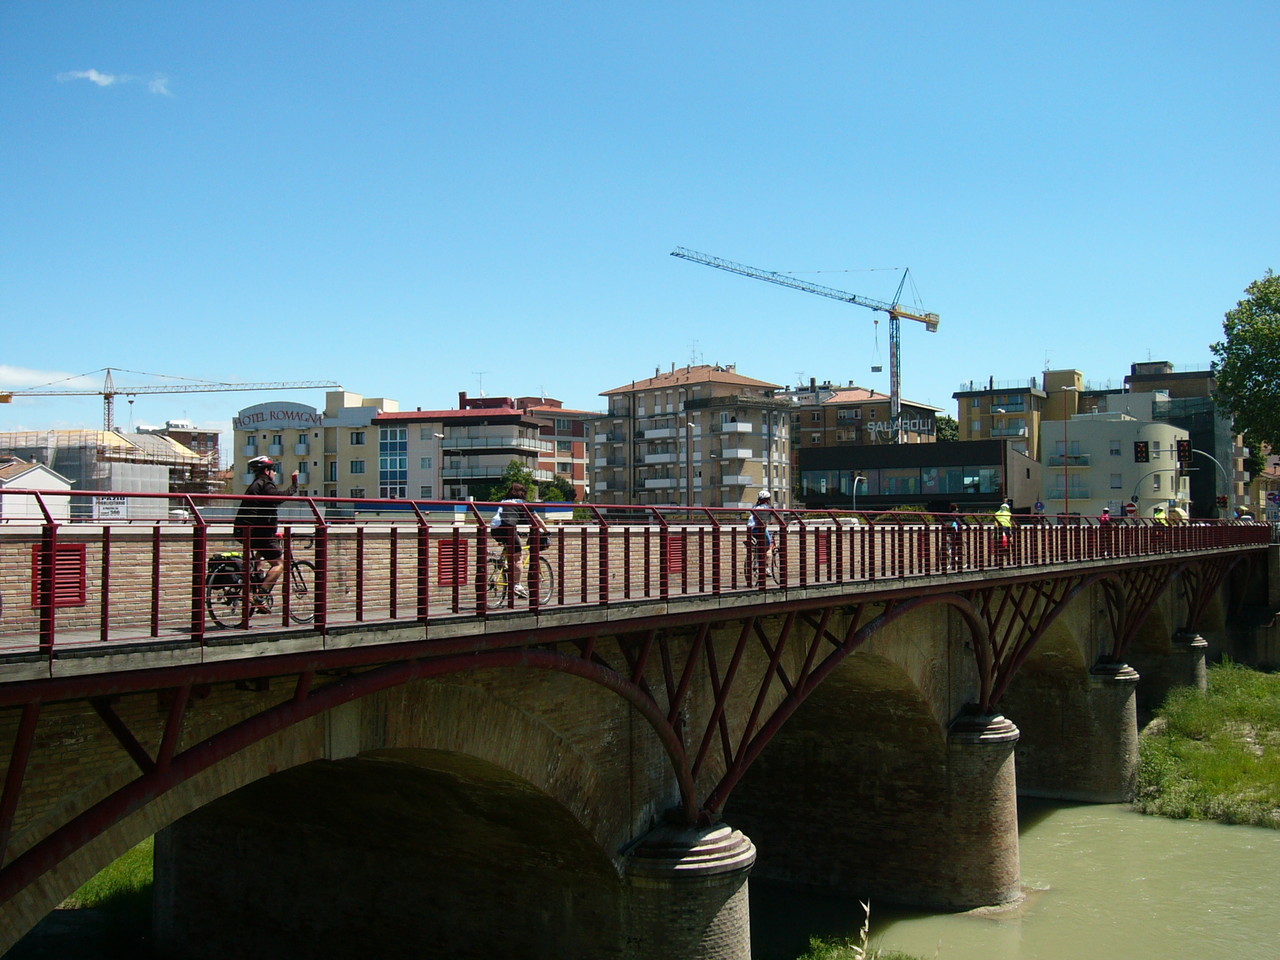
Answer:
(415, 199)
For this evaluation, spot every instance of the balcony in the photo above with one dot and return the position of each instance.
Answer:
(301, 449)
(508, 442)
(737, 480)
(736, 426)
(660, 483)
(1072, 460)
(736, 453)
(661, 433)
(660, 458)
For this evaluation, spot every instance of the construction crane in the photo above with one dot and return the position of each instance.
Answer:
(110, 391)
(895, 312)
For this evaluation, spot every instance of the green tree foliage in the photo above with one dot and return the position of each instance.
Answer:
(948, 429)
(559, 490)
(1248, 362)
(516, 472)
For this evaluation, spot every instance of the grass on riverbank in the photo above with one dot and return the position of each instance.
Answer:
(1215, 755)
(124, 886)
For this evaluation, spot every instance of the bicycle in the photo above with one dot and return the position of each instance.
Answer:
(224, 590)
(767, 562)
(498, 583)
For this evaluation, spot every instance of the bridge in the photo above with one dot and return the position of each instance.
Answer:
(404, 752)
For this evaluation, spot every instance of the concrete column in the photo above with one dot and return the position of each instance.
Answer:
(1189, 656)
(979, 865)
(1182, 665)
(1109, 773)
(686, 896)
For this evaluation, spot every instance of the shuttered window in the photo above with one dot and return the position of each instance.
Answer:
(69, 566)
(451, 563)
(675, 554)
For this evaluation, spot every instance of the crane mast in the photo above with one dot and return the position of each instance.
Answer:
(895, 312)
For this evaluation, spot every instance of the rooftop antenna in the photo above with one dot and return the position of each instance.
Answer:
(479, 374)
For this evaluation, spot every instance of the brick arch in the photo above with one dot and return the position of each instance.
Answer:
(403, 849)
(298, 731)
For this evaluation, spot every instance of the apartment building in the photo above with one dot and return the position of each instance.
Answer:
(1114, 458)
(1002, 409)
(367, 447)
(703, 435)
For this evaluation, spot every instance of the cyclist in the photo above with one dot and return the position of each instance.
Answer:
(503, 529)
(760, 545)
(256, 522)
(1004, 526)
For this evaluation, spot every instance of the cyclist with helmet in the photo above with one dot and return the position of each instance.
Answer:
(256, 521)
(760, 543)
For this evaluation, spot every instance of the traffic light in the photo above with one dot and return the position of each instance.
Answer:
(1184, 451)
(1141, 452)
(1222, 501)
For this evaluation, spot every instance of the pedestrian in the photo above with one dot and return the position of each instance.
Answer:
(1004, 525)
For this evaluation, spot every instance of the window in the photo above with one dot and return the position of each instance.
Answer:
(1116, 481)
(815, 417)
(975, 403)
(564, 446)
(357, 438)
(425, 491)
(424, 463)
(1115, 448)
(564, 467)
(562, 425)
(357, 466)
(815, 438)
(857, 413)
(356, 492)
(1155, 483)
(393, 462)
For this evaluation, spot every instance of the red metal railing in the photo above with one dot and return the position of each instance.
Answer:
(94, 567)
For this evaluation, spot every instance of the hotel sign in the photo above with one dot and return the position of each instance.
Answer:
(278, 416)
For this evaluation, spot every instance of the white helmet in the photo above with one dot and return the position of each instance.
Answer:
(764, 495)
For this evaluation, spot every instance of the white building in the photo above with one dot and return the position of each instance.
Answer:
(18, 474)
(1109, 459)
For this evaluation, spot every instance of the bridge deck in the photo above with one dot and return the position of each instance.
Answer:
(120, 594)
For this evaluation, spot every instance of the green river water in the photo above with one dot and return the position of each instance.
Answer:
(1102, 882)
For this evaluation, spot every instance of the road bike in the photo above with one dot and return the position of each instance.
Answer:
(499, 578)
(761, 559)
(224, 590)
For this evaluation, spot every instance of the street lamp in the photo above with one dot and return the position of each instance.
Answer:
(859, 478)
(1066, 477)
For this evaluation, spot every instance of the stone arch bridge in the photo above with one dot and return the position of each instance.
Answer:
(422, 766)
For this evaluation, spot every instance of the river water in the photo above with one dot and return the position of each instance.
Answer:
(1102, 881)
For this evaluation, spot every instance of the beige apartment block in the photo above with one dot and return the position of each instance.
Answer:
(703, 435)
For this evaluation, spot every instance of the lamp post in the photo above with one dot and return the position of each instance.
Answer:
(858, 478)
(1066, 476)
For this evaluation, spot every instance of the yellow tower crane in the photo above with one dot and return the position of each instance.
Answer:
(110, 391)
(895, 312)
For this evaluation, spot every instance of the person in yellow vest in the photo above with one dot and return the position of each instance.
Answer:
(1158, 516)
(1004, 524)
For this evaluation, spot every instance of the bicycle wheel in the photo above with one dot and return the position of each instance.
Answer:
(302, 591)
(546, 581)
(772, 568)
(497, 586)
(224, 594)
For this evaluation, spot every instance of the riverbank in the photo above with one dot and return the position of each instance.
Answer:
(1215, 755)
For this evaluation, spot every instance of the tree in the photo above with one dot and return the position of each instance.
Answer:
(947, 428)
(559, 490)
(516, 472)
(1248, 363)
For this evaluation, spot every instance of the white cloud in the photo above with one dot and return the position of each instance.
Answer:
(93, 76)
(17, 378)
(159, 84)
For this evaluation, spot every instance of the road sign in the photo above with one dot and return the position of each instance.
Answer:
(1131, 508)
